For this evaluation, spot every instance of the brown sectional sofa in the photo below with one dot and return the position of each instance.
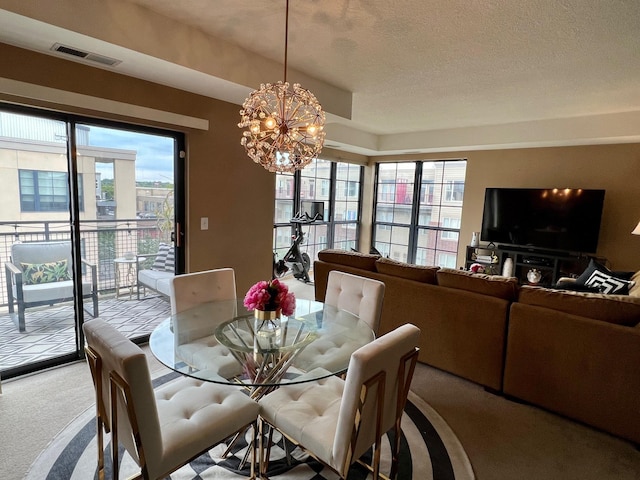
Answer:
(577, 354)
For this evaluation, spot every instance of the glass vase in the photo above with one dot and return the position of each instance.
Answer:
(267, 330)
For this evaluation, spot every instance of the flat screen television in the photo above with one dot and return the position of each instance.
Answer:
(543, 218)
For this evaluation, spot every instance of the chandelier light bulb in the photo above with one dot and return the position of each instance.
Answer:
(270, 123)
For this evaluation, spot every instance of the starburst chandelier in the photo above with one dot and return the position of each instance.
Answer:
(284, 124)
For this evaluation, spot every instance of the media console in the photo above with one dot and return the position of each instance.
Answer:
(551, 265)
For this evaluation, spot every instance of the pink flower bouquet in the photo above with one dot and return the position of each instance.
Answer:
(270, 296)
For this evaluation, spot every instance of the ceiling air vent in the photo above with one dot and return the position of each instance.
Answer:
(91, 57)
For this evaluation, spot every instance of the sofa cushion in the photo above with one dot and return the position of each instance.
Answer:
(364, 261)
(150, 278)
(600, 277)
(492, 285)
(618, 309)
(36, 273)
(409, 271)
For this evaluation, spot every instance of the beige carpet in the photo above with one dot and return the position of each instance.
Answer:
(503, 439)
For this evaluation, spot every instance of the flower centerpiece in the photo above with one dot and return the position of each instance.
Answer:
(270, 296)
(268, 300)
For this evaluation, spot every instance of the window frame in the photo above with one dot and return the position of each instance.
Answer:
(433, 202)
(39, 191)
(316, 237)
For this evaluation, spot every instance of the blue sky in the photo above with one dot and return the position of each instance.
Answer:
(154, 159)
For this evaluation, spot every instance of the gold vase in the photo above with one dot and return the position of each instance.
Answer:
(267, 314)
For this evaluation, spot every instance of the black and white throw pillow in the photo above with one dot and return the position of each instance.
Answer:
(600, 277)
(161, 257)
(170, 263)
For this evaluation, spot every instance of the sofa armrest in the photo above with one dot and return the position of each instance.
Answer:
(583, 368)
(14, 277)
(94, 271)
(143, 257)
(11, 269)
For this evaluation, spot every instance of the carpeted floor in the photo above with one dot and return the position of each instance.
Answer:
(503, 440)
(430, 451)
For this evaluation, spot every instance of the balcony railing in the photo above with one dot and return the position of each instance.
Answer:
(101, 241)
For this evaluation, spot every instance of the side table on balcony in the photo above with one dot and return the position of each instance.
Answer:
(125, 275)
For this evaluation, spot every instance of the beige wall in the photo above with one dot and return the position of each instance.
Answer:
(614, 168)
(223, 184)
(236, 195)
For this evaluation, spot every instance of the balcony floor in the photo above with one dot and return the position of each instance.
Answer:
(50, 330)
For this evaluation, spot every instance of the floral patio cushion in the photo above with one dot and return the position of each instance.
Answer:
(36, 273)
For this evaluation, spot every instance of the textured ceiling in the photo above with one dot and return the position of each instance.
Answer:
(412, 66)
(424, 64)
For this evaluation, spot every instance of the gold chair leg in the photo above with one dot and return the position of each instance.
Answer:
(395, 453)
(100, 447)
(263, 457)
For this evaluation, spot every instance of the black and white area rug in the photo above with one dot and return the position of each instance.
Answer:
(430, 451)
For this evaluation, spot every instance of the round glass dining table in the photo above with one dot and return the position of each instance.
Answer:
(225, 343)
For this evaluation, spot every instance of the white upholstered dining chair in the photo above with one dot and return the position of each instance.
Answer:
(163, 429)
(195, 341)
(191, 289)
(337, 420)
(359, 295)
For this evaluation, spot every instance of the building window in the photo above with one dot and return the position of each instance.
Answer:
(420, 227)
(452, 223)
(453, 191)
(42, 191)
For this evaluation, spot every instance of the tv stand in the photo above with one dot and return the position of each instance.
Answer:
(551, 264)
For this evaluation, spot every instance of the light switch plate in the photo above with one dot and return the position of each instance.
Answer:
(204, 223)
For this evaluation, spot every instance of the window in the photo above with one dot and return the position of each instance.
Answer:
(335, 184)
(419, 227)
(447, 260)
(284, 198)
(453, 223)
(454, 191)
(42, 191)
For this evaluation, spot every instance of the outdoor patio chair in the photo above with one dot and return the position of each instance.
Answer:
(40, 273)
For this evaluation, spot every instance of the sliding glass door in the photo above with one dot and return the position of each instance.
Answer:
(87, 205)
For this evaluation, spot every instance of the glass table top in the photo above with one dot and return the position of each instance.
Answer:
(222, 342)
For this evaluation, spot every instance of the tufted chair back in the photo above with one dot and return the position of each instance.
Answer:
(161, 429)
(358, 295)
(116, 353)
(388, 362)
(192, 289)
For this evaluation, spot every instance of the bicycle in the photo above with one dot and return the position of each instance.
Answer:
(294, 259)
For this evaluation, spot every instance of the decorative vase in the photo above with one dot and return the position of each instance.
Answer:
(534, 275)
(475, 239)
(267, 329)
(263, 315)
(507, 267)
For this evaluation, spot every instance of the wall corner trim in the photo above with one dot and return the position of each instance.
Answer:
(63, 97)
